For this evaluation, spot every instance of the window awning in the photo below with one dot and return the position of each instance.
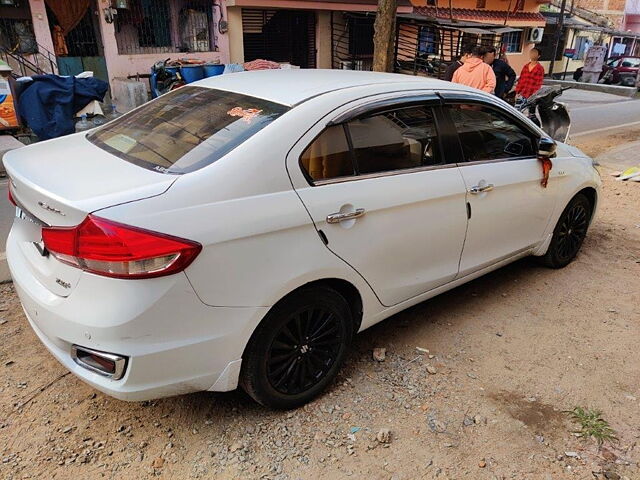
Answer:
(477, 28)
(481, 15)
(404, 6)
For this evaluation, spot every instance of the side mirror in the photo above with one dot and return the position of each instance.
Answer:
(546, 147)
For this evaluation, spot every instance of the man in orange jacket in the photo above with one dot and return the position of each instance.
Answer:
(475, 73)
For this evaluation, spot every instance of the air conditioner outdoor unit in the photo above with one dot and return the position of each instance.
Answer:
(535, 34)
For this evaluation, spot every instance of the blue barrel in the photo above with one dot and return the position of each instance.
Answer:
(212, 69)
(192, 73)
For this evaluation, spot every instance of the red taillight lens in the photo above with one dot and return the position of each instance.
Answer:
(111, 249)
(10, 195)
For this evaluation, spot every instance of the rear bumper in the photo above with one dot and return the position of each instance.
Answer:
(173, 342)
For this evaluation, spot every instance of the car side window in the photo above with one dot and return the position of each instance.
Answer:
(487, 134)
(328, 156)
(395, 140)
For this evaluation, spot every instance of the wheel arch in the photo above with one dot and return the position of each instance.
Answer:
(592, 196)
(345, 288)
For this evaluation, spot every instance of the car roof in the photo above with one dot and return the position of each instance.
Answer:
(294, 86)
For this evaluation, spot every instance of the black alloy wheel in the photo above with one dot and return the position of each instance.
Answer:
(573, 229)
(298, 348)
(569, 233)
(304, 350)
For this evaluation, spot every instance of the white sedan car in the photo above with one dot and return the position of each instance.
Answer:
(242, 229)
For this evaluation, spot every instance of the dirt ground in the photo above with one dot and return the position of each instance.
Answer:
(508, 355)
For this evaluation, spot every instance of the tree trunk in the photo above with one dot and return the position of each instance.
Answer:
(384, 36)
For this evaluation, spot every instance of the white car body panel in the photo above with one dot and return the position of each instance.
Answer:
(511, 217)
(257, 218)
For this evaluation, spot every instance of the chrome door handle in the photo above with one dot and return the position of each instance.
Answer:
(481, 189)
(341, 217)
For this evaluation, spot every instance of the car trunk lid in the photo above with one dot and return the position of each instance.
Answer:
(58, 183)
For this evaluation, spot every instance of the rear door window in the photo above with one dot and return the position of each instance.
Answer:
(329, 156)
(186, 129)
(395, 140)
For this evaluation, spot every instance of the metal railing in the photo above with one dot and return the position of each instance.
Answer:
(23, 65)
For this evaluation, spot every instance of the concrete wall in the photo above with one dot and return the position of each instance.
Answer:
(236, 42)
(323, 39)
(119, 66)
(41, 24)
(572, 65)
(612, 9)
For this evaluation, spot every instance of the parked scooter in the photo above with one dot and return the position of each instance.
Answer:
(163, 78)
(547, 113)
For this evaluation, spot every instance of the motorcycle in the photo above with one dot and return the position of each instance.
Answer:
(550, 115)
(164, 78)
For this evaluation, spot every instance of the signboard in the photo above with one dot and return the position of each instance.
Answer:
(8, 117)
(570, 52)
(595, 59)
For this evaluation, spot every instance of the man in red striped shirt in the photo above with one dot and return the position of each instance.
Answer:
(531, 76)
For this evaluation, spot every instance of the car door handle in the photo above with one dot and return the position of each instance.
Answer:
(341, 217)
(481, 189)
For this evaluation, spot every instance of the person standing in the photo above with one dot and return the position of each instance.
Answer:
(531, 76)
(505, 75)
(456, 64)
(475, 73)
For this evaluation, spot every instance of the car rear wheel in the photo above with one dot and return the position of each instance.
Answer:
(569, 233)
(298, 349)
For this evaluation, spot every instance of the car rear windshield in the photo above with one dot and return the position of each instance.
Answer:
(186, 129)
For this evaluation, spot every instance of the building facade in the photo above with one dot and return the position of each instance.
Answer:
(632, 16)
(123, 38)
(613, 10)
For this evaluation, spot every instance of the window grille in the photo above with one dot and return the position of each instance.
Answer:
(166, 26)
(512, 42)
(280, 36)
(352, 40)
(16, 35)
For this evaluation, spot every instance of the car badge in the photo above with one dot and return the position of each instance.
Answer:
(51, 209)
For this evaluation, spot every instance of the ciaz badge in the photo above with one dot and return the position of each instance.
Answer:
(51, 209)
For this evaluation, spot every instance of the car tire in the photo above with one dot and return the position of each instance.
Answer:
(569, 233)
(628, 82)
(298, 348)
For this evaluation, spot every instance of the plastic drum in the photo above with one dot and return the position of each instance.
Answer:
(211, 69)
(192, 73)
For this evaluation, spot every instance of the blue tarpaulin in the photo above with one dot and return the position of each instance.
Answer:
(49, 102)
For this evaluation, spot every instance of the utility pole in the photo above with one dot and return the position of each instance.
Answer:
(384, 35)
(558, 34)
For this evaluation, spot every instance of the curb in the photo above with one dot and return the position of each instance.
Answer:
(5, 276)
(595, 87)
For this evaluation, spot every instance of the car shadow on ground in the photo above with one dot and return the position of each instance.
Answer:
(400, 329)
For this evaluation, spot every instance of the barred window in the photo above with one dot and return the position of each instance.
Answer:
(159, 26)
(512, 41)
(16, 35)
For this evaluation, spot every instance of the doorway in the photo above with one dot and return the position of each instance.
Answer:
(81, 48)
(280, 35)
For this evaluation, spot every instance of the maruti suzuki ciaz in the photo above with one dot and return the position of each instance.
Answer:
(242, 229)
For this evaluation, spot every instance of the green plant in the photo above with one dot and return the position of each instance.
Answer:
(592, 425)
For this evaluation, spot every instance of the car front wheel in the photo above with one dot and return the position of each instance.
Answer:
(569, 233)
(298, 348)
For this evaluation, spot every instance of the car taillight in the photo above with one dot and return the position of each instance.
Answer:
(115, 250)
(10, 195)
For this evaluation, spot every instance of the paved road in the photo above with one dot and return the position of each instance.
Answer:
(591, 112)
(7, 212)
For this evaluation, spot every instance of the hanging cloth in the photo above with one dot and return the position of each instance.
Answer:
(547, 165)
(59, 42)
(68, 12)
